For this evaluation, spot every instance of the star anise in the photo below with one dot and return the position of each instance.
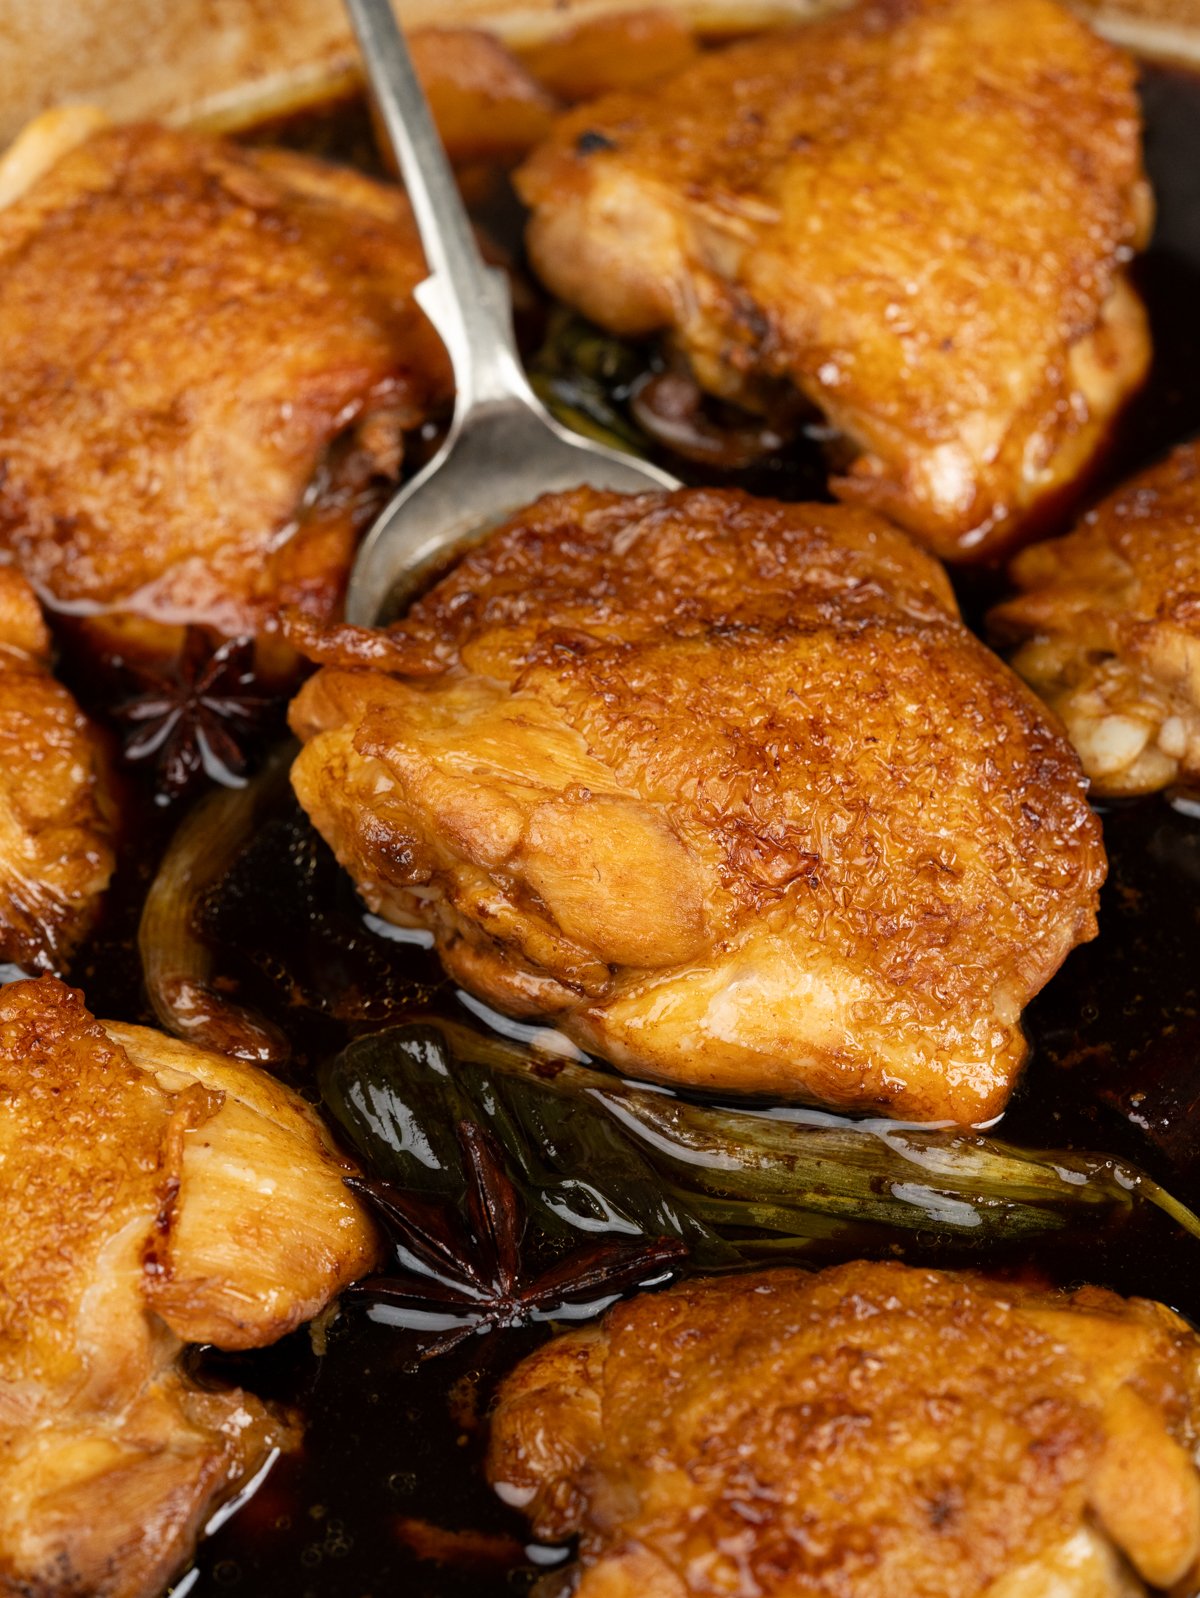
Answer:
(198, 717)
(457, 1280)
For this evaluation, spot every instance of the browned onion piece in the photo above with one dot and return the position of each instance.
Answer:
(177, 964)
(671, 409)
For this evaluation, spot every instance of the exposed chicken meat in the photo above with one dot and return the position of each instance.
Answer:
(56, 810)
(154, 1194)
(211, 356)
(723, 785)
(872, 1430)
(1108, 623)
(916, 215)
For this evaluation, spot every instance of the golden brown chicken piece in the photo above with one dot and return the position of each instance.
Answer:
(211, 356)
(56, 811)
(915, 215)
(722, 785)
(872, 1430)
(1108, 623)
(154, 1194)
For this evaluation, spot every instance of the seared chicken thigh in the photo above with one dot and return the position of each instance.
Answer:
(871, 1430)
(916, 215)
(56, 811)
(1108, 623)
(725, 787)
(211, 355)
(153, 1195)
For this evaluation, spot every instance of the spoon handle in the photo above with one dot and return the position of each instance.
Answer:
(468, 302)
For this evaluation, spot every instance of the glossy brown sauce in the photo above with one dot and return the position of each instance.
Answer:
(1115, 1067)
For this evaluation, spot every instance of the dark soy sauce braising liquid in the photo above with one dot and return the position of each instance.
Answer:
(1115, 1068)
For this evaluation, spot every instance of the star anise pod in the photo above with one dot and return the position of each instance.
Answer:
(457, 1280)
(198, 717)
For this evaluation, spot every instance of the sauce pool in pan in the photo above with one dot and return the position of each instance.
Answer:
(390, 1470)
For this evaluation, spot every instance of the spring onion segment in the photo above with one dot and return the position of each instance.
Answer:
(592, 1152)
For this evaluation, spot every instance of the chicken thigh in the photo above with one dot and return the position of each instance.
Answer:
(723, 786)
(56, 809)
(916, 216)
(872, 1430)
(1108, 627)
(153, 1195)
(211, 355)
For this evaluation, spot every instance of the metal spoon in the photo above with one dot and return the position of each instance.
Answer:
(503, 448)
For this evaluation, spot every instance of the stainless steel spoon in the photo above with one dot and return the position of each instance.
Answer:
(503, 448)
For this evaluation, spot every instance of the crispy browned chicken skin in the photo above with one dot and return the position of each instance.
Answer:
(1108, 623)
(872, 1430)
(211, 354)
(723, 785)
(153, 1194)
(916, 214)
(56, 810)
